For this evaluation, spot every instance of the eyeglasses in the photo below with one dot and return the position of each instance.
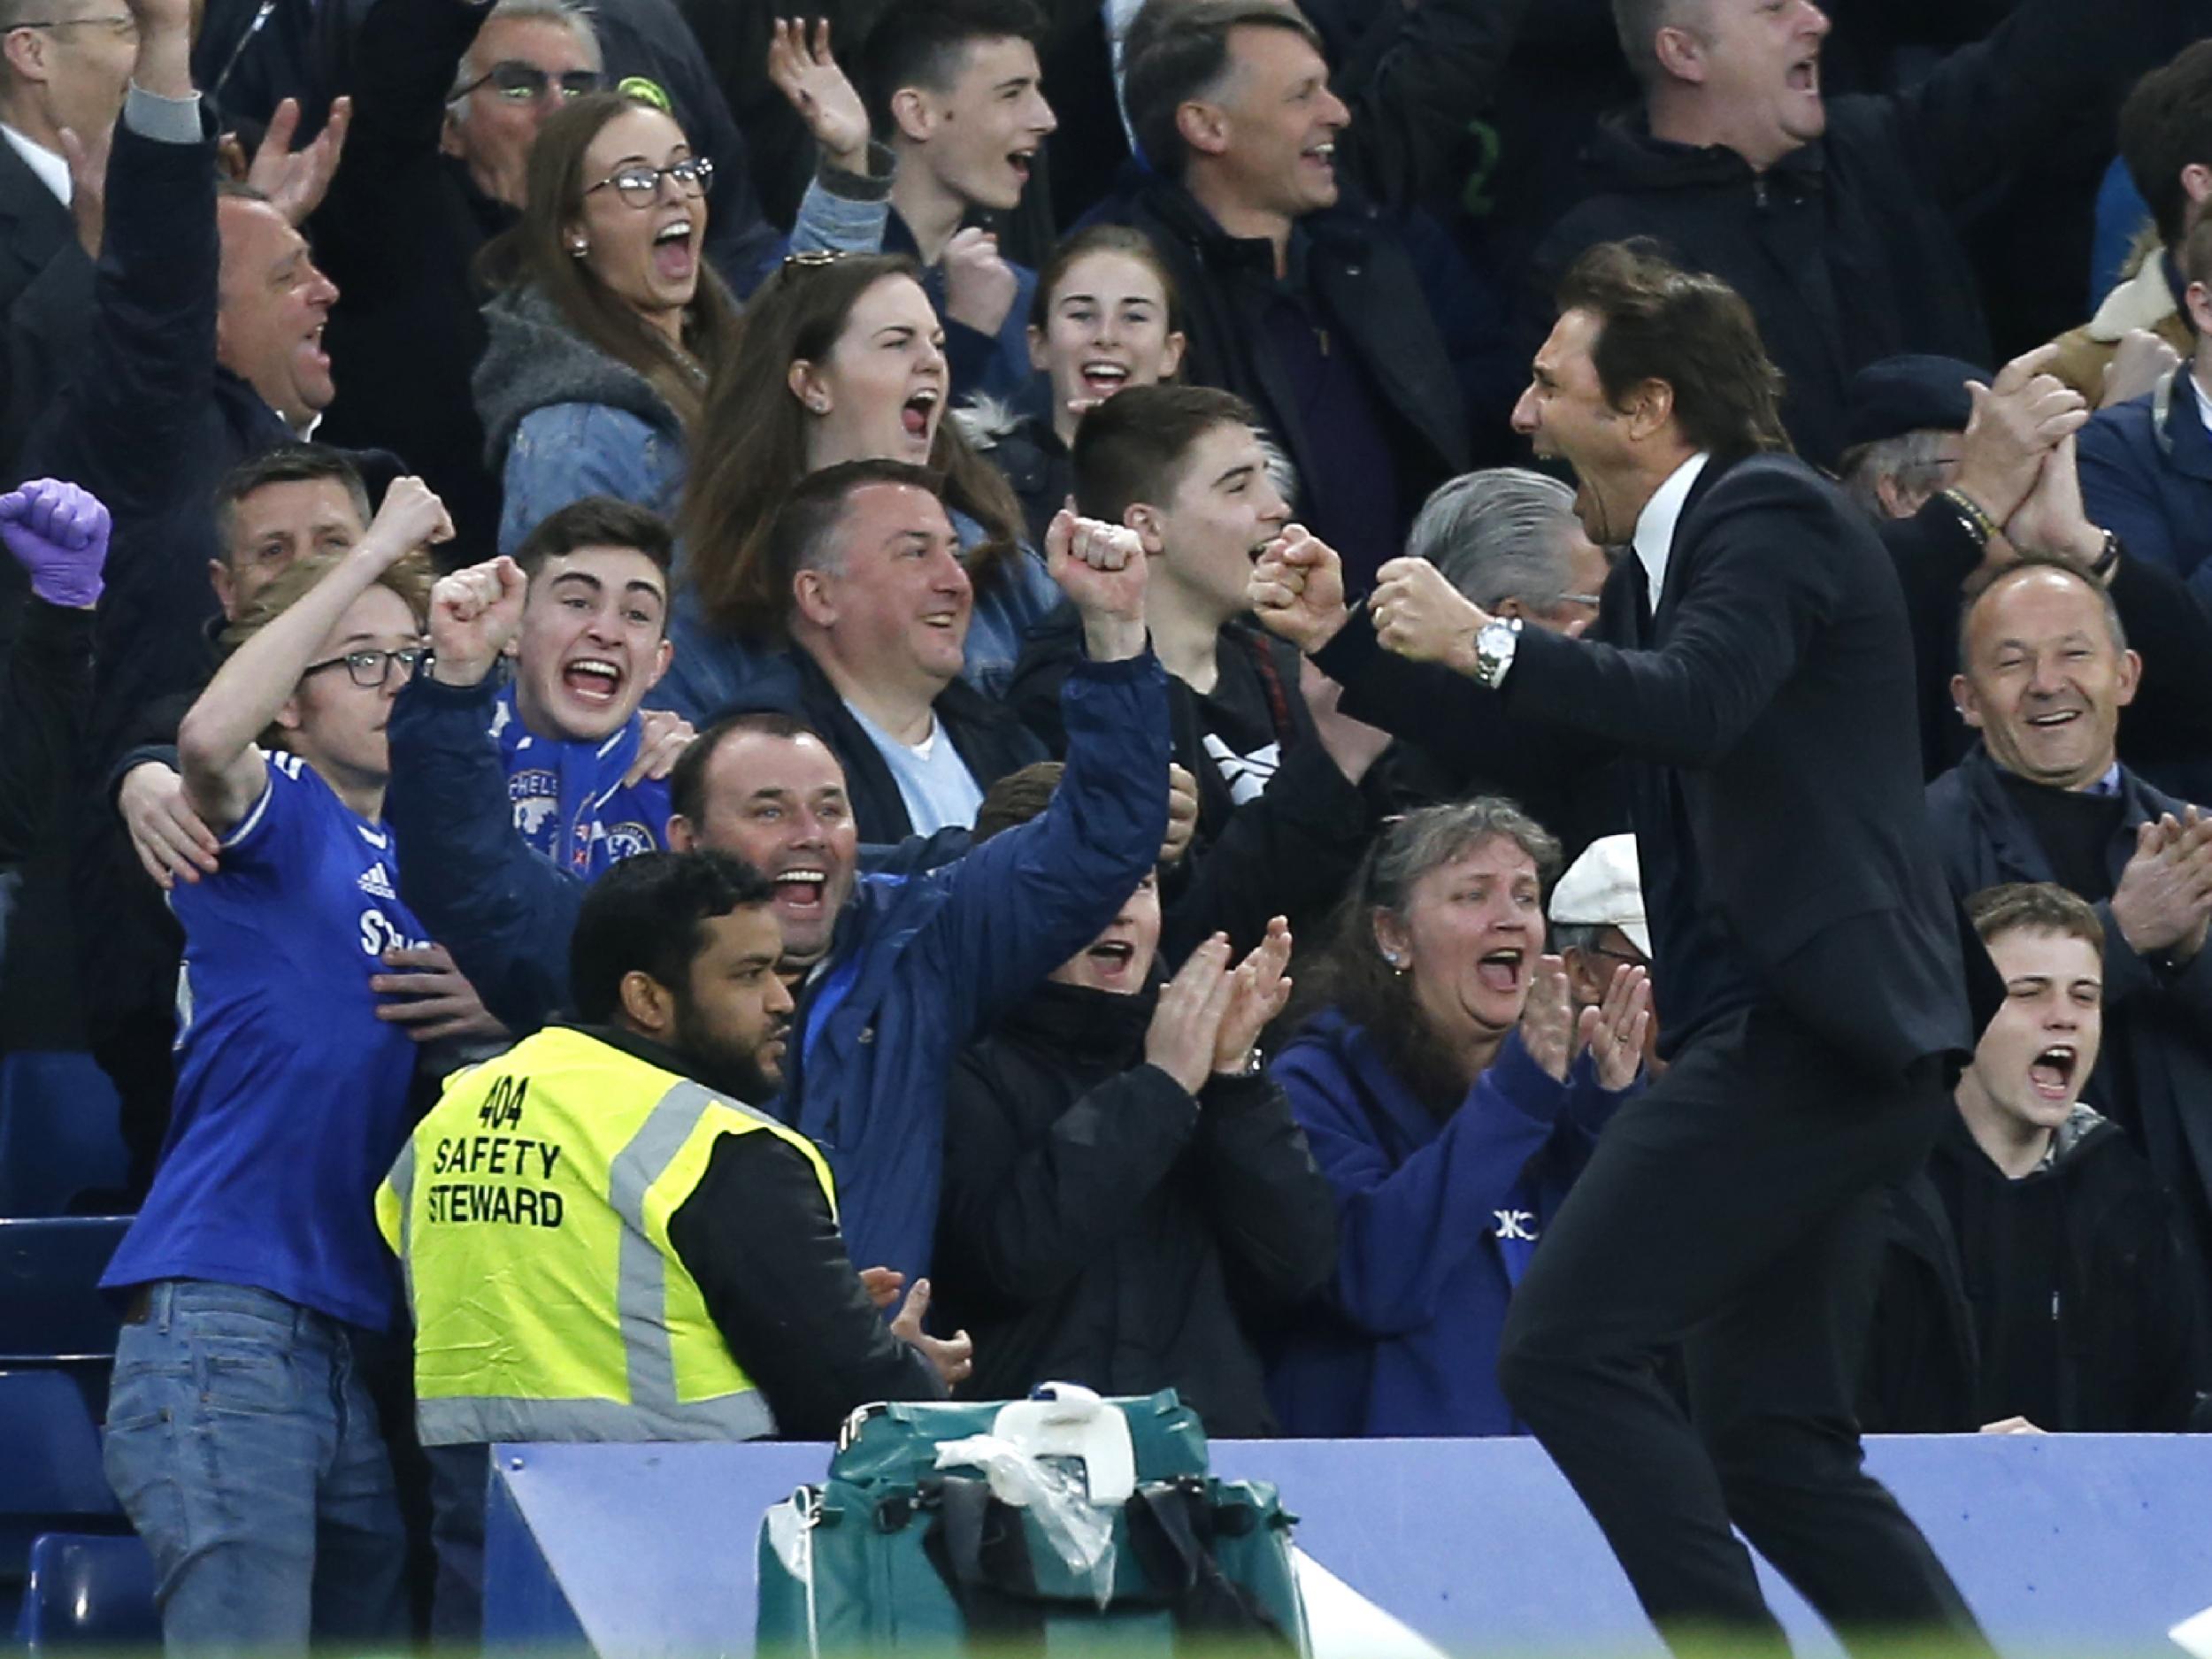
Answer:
(1632, 959)
(1591, 600)
(526, 83)
(372, 670)
(124, 26)
(641, 186)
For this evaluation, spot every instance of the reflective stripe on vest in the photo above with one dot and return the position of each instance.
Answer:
(654, 1410)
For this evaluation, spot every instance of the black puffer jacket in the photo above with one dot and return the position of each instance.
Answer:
(1100, 1226)
(1849, 251)
(2130, 1336)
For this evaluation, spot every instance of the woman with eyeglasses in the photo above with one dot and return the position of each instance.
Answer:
(608, 322)
(240, 1439)
(1450, 1095)
(842, 359)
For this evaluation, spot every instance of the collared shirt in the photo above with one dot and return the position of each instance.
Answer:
(2107, 785)
(1655, 526)
(52, 169)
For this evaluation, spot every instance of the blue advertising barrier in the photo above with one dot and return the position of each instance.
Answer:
(2085, 1544)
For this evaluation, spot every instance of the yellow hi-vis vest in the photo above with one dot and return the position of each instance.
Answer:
(531, 1210)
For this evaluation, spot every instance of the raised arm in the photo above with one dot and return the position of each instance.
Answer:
(59, 534)
(2050, 64)
(505, 911)
(147, 370)
(224, 769)
(1026, 901)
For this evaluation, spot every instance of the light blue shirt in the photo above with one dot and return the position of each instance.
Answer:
(939, 791)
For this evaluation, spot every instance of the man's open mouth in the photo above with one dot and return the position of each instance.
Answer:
(802, 887)
(2051, 1073)
(593, 679)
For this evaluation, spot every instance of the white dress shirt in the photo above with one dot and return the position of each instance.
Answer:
(1655, 526)
(52, 169)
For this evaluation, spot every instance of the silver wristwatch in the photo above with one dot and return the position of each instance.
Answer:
(1496, 642)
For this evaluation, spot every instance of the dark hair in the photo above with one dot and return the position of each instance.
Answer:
(2040, 907)
(1014, 799)
(646, 915)
(809, 519)
(1659, 322)
(2194, 254)
(1181, 54)
(687, 782)
(533, 254)
(1982, 583)
(2166, 125)
(1125, 240)
(287, 464)
(754, 447)
(1350, 975)
(1135, 446)
(598, 521)
(924, 43)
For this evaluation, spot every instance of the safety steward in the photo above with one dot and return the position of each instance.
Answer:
(603, 1240)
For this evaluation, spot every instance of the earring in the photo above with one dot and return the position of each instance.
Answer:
(1397, 963)
(578, 248)
(820, 405)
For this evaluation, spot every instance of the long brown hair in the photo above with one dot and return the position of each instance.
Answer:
(754, 445)
(533, 254)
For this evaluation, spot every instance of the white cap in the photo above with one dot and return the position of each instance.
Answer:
(1602, 889)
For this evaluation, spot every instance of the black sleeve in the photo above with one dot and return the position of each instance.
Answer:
(43, 704)
(1272, 1208)
(2168, 625)
(1933, 553)
(1462, 721)
(1028, 1220)
(758, 1237)
(1289, 853)
(1411, 110)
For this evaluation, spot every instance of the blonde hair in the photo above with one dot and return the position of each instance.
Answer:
(410, 577)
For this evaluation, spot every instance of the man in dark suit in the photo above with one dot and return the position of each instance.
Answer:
(1754, 684)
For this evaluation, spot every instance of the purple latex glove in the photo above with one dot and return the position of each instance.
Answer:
(59, 534)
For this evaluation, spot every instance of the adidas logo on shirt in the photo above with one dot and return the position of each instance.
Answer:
(376, 884)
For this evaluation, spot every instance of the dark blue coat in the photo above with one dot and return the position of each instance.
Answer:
(923, 960)
(2146, 476)
(1407, 1345)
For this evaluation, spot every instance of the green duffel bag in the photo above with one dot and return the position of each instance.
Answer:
(1066, 1520)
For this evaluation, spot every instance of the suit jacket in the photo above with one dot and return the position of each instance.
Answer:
(1767, 719)
(34, 227)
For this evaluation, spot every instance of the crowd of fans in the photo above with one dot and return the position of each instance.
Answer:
(490, 604)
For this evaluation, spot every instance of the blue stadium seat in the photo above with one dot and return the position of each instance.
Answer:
(51, 1310)
(61, 1134)
(88, 1592)
(50, 1478)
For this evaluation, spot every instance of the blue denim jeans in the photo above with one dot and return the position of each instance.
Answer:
(246, 1452)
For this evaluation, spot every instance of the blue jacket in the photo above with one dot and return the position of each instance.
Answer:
(924, 959)
(2146, 476)
(714, 671)
(1435, 1221)
(568, 799)
(996, 365)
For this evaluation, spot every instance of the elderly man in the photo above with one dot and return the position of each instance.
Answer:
(2045, 671)
(1837, 221)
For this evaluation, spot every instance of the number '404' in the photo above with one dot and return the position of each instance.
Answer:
(503, 1106)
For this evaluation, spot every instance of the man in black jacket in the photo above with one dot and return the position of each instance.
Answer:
(59, 535)
(2044, 797)
(2035, 1278)
(879, 617)
(1282, 816)
(1837, 222)
(1124, 1186)
(1267, 202)
(1753, 673)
